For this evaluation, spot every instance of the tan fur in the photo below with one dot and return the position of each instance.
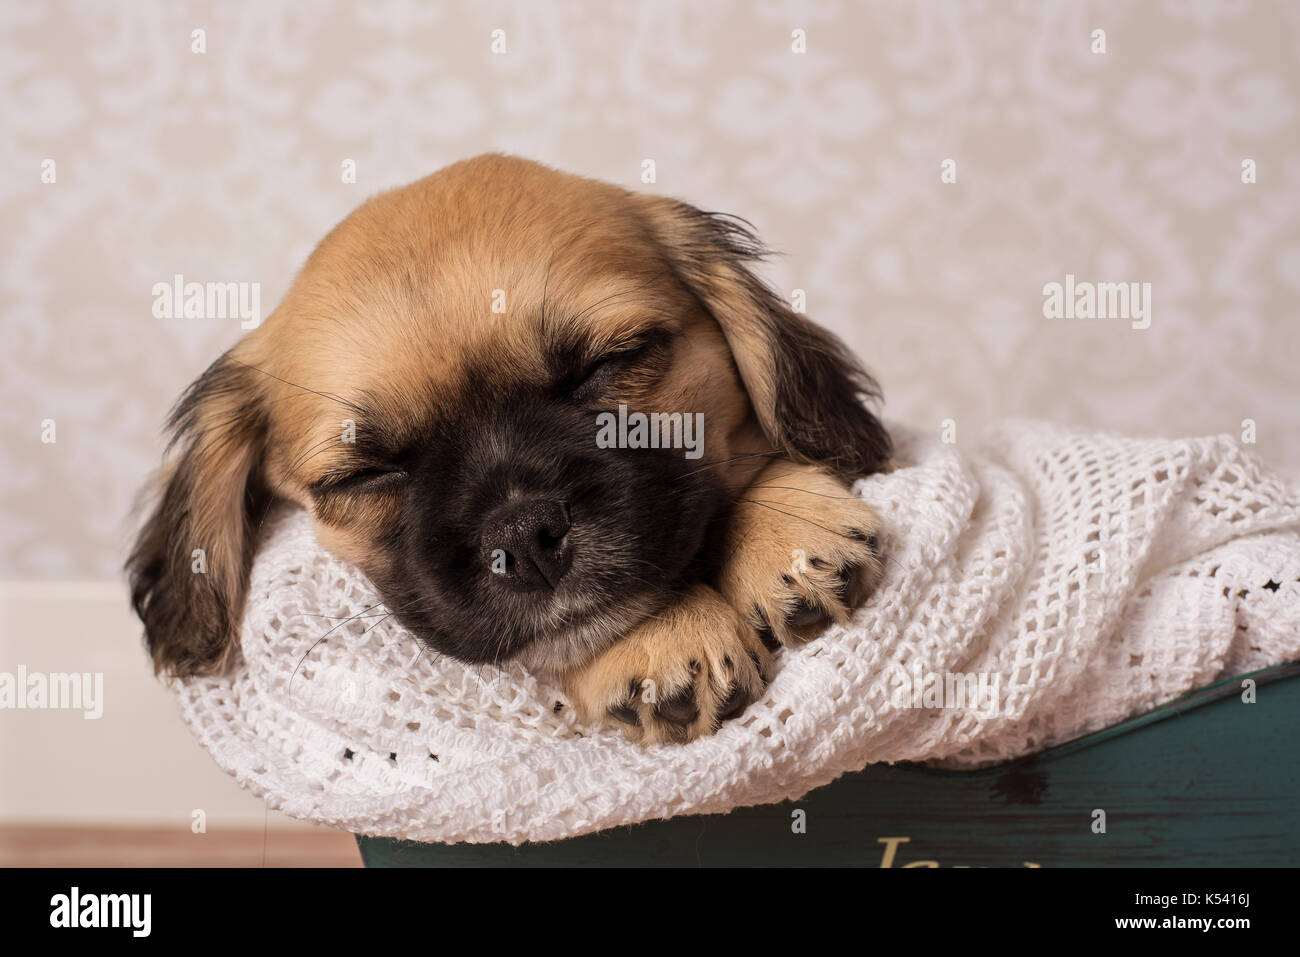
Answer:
(794, 527)
(345, 326)
(395, 306)
(415, 339)
(700, 647)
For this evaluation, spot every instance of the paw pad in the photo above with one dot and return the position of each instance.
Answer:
(681, 708)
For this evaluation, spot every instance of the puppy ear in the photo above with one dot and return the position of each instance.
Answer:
(190, 564)
(808, 391)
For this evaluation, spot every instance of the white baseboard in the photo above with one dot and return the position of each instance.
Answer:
(136, 765)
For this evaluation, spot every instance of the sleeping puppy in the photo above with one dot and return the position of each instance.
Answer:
(457, 388)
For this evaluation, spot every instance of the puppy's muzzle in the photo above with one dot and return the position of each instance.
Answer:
(526, 545)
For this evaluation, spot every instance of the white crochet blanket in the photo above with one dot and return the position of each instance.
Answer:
(1088, 577)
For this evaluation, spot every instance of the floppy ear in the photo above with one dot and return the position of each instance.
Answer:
(189, 568)
(808, 391)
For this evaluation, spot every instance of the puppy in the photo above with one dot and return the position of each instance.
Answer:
(439, 389)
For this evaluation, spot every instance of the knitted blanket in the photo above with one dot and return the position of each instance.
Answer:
(1041, 584)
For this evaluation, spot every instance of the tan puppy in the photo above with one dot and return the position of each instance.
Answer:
(461, 386)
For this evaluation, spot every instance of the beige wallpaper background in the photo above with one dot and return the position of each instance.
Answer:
(225, 165)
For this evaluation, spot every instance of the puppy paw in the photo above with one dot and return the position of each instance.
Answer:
(803, 552)
(678, 675)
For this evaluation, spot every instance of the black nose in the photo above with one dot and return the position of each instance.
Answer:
(524, 543)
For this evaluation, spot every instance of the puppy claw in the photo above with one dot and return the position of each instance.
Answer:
(681, 708)
(734, 704)
(806, 614)
(676, 676)
(853, 588)
(626, 714)
(805, 562)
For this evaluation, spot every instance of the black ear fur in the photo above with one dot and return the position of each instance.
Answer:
(209, 499)
(821, 399)
(811, 395)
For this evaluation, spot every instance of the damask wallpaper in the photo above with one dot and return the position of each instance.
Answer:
(1088, 212)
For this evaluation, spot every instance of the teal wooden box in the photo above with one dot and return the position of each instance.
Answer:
(1206, 780)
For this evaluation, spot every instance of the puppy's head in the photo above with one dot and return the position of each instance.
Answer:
(440, 388)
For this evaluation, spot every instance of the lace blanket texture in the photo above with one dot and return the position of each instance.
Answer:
(1041, 584)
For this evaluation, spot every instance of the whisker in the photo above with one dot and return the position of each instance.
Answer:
(648, 284)
(791, 488)
(790, 515)
(324, 395)
(546, 283)
(294, 673)
(273, 499)
(307, 614)
(734, 458)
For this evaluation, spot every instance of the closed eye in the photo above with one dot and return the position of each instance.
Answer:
(599, 375)
(361, 481)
